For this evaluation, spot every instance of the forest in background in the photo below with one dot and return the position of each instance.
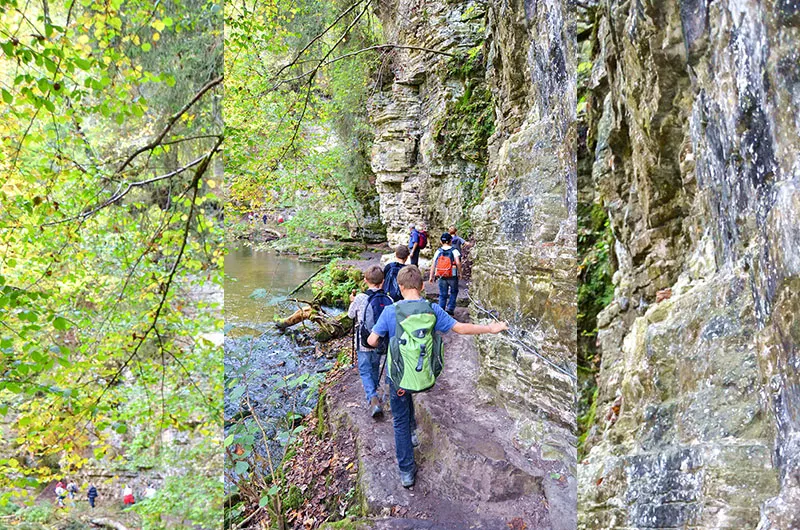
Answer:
(298, 76)
(111, 252)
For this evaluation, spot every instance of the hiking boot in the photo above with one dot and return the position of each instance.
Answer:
(414, 440)
(375, 405)
(407, 478)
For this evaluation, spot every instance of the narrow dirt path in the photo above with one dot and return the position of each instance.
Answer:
(471, 474)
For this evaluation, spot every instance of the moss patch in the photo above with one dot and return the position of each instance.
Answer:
(333, 286)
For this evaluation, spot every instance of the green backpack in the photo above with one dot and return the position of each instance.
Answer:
(416, 356)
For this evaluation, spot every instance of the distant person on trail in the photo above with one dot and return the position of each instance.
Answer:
(61, 494)
(445, 266)
(72, 489)
(417, 240)
(411, 324)
(456, 241)
(366, 308)
(127, 496)
(149, 492)
(91, 495)
(413, 244)
(390, 273)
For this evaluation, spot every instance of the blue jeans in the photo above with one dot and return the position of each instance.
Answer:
(369, 365)
(404, 424)
(445, 285)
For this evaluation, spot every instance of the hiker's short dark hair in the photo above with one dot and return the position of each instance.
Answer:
(402, 252)
(373, 275)
(410, 277)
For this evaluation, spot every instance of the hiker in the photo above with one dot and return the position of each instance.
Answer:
(264, 218)
(390, 273)
(91, 495)
(445, 266)
(417, 240)
(456, 241)
(412, 367)
(127, 496)
(149, 492)
(72, 489)
(61, 494)
(366, 308)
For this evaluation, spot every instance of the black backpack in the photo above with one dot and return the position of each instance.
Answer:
(376, 303)
(390, 281)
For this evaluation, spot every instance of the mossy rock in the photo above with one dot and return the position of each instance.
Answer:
(334, 285)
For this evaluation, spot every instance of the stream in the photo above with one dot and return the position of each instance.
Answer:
(269, 375)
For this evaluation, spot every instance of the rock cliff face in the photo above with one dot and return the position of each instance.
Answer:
(695, 124)
(485, 140)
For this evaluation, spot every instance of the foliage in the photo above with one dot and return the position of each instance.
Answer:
(333, 286)
(467, 123)
(190, 498)
(295, 114)
(39, 513)
(465, 126)
(109, 221)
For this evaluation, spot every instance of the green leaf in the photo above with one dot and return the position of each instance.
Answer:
(121, 428)
(146, 47)
(228, 441)
(83, 64)
(264, 501)
(241, 467)
(7, 97)
(61, 323)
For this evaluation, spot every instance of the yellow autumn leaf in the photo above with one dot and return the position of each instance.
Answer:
(156, 36)
(211, 184)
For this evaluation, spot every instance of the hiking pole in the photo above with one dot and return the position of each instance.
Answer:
(353, 343)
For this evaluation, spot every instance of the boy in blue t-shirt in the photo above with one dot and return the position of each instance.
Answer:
(410, 281)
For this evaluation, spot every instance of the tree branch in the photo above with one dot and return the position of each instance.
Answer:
(175, 117)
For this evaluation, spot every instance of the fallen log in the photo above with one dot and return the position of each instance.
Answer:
(329, 327)
(304, 313)
(104, 522)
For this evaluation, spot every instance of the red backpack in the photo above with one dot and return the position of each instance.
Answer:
(423, 239)
(444, 264)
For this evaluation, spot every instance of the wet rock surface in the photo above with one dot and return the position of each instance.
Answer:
(473, 472)
(696, 162)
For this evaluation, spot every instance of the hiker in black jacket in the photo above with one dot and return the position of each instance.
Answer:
(91, 495)
(390, 273)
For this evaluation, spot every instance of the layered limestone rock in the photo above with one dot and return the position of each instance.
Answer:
(486, 140)
(697, 162)
(420, 179)
(525, 266)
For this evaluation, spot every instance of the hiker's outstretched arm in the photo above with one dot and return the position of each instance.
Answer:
(462, 328)
(373, 339)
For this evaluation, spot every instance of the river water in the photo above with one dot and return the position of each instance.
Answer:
(269, 376)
